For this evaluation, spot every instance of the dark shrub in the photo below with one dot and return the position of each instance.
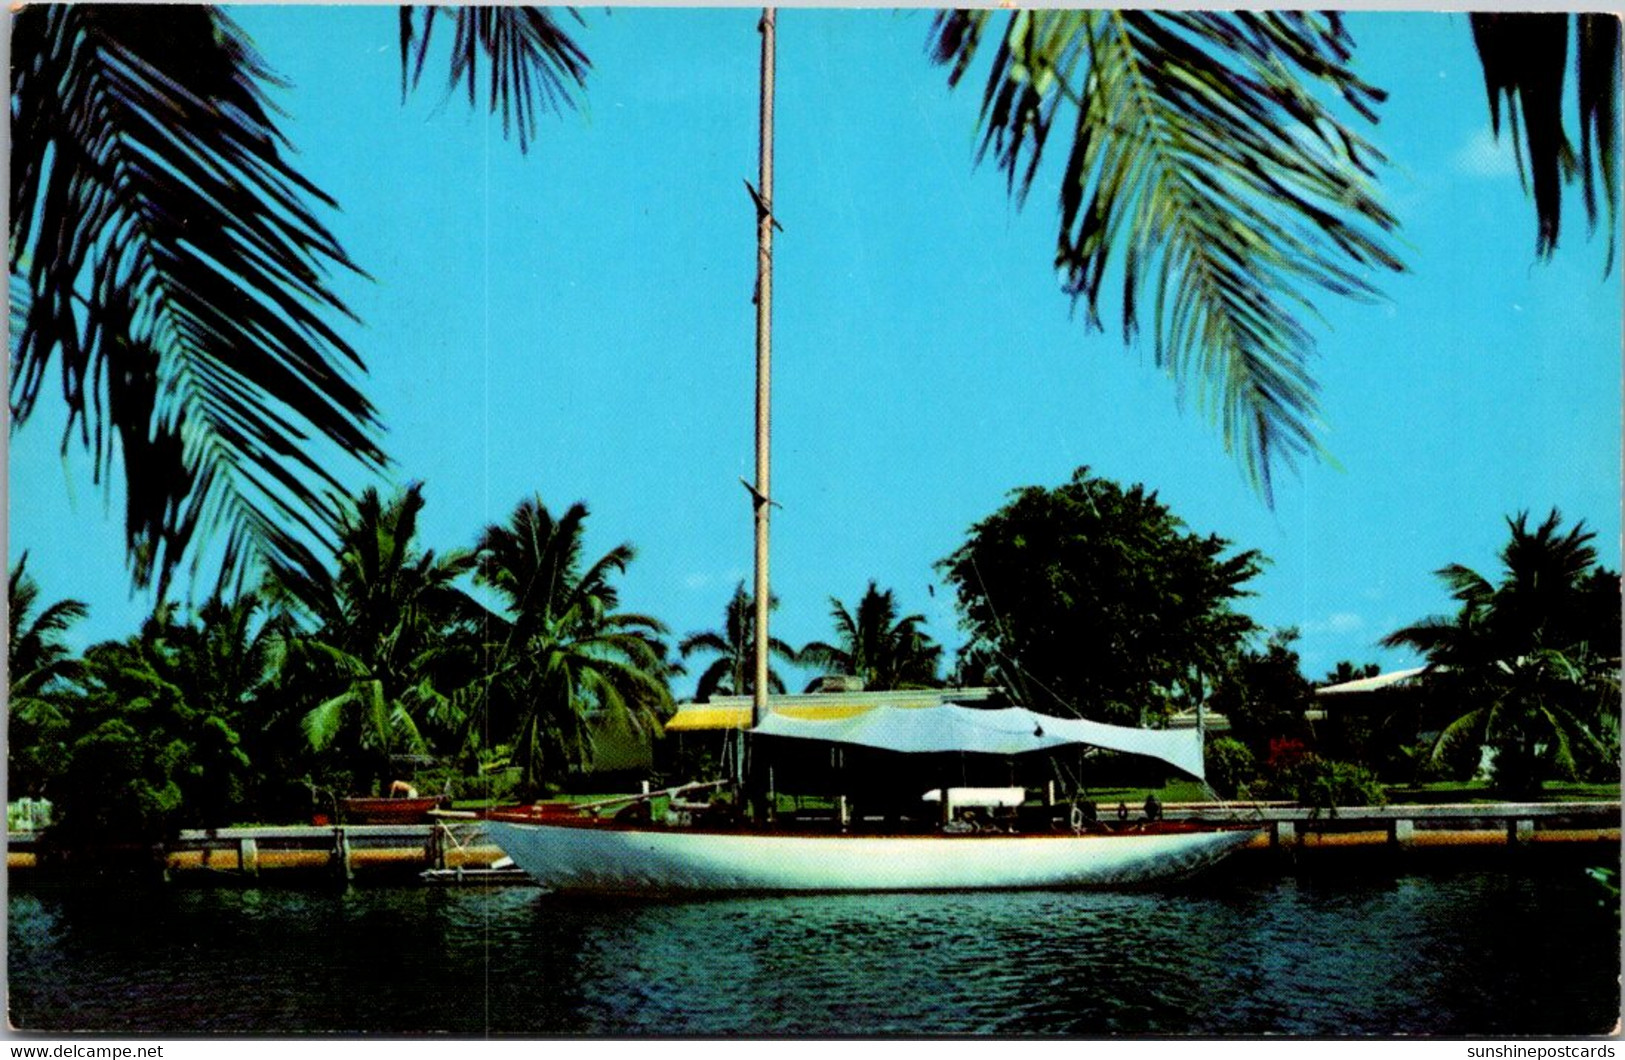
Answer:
(1230, 766)
(1324, 784)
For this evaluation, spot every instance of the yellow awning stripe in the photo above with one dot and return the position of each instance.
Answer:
(703, 717)
(698, 717)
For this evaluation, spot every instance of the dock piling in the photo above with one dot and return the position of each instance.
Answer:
(341, 854)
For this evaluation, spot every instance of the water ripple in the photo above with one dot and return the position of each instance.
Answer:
(1450, 954)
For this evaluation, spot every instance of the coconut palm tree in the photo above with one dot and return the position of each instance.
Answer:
(36, 657)
(1208, 176)
(170, 259)
(733, 671)
(388, 638)
(167, 254)
(564, 663)
(1527, 656)
(41, 670)
(874, 643)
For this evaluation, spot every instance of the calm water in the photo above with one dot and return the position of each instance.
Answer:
(1462, 953)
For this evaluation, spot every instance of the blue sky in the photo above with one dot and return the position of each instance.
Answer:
(577, 323)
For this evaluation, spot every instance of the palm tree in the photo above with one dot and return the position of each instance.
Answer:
(41, 670)
(229, 663)
(565, 664)
(875, 644)
(1206, 172)
(37, 660)
(1537, 670)
(171, 258)
(1202, 155)
(165, 250)
(733, 671)
(389, 642)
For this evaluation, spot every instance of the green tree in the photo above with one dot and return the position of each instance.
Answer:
(1376, 728)
(733, 671)
(157, 733)
(41, 672)
(1098, 599)
(1264, 694)
(567, 665)
(228, 662)
(1533, 657)
(873, 642)
(387, 644)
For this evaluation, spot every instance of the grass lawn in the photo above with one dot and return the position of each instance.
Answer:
(1456, 792)
(1173, 791)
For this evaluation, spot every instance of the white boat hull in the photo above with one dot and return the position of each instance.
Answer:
(578, 858)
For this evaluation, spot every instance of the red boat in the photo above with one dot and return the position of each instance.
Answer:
(396, 810)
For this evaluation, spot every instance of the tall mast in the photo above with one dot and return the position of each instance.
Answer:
(761, 494)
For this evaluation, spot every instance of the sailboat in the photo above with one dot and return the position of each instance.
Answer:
(950, 838)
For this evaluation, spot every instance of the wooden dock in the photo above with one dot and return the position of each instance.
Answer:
(337, 851)
(1420, 827)
(453, 851)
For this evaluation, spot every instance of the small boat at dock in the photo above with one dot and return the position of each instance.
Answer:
(387, 810)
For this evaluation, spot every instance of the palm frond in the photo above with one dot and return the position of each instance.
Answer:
(1561, 750)
(402, 731)
(717, 678)
(1205, 170)
(1524, 56)
(1466, 584)
(322, 724)
(817, 653)
(533, 65)
(1464, 727)
(703, 641)
(344, 663)
(171, 260)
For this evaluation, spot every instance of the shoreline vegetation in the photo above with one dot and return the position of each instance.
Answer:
(509, 673)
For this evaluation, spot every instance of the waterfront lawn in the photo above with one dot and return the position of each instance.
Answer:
(1478, 791)
(1439, 793)
(1134, 798)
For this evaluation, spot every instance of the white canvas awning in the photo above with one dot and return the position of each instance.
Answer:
(948, 728)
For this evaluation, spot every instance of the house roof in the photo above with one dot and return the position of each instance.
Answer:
(1371, 684)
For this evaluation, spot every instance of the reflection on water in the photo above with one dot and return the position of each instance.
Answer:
(1452, 954)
